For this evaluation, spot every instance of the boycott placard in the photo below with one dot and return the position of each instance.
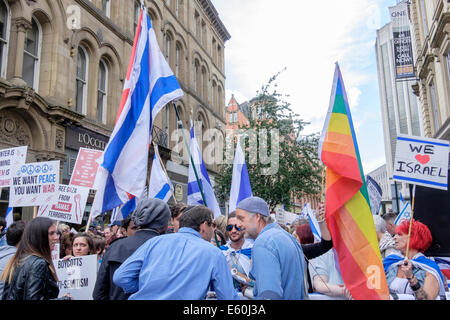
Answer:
(77, 276)
(34, 184)
(86, 168)
(10, 158)
(422, 161)
(69, 206)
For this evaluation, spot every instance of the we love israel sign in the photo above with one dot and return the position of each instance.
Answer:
(422, 161)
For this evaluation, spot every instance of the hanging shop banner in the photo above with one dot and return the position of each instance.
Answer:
(69, 206)
(403, 52)
(34, 184)
(10, 158)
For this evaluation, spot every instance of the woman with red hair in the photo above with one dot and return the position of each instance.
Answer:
(415, 274)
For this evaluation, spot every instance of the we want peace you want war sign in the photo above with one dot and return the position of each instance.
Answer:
(422, 161)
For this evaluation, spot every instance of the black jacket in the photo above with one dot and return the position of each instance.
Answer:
(117, 252)
(32, 280)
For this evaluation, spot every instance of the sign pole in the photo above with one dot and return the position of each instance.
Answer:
(35, 209)
(410, 221)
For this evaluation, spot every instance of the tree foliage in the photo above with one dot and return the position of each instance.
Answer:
(299, 169)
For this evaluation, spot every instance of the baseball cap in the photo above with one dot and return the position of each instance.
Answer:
(254, 205)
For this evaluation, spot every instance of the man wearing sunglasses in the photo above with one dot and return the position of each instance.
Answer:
(278, 263)
(238, 251)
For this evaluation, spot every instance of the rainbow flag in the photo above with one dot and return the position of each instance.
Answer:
(347, 213)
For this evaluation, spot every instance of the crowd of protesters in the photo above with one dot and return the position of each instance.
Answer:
(182, 252)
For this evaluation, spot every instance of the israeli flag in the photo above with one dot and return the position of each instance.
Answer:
(240, 182)
(194, 196)
(405, 213)
(315, 229)
(160, 186)
(9, 217)
(149, 86)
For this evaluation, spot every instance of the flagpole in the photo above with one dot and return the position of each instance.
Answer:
(410, 221)
(165, 171)
(190, 155)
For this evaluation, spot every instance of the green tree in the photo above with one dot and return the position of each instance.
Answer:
(299, 169)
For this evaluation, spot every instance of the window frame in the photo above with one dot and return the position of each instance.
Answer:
(37, 59)
(85, 81)
(107, 9)
(5, 41)
(104, 115)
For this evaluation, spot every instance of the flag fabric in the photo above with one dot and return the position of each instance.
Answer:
(405, 213)
(348, 213)
(444, 265)
(195, 187)
(150, 85)
(160, 186)
(313, 223)
(240, 182)
(9, 217)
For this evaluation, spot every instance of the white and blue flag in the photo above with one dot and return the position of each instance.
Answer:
(240, 182)
(405, 212)
(150, 85)
(315, 229)
(160, 186)
(194, 196)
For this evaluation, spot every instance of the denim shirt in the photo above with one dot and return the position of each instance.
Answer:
(391, 274)
(277, 265)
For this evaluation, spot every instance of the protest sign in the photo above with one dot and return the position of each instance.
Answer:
(55, 252)
(69, 206)
(375, 195)
(422, 161)
(34, 184)
(10, 158)
(86, 168)
(77, 276)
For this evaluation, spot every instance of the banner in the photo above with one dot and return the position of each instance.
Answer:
(69, 206)
(86, 167)
(375, 195)
(10, 158)
(34, 184)
(77, 276)
(403, 52)
(422, 161)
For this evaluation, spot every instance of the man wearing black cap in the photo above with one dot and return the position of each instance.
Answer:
(152, 218)
(277, 257)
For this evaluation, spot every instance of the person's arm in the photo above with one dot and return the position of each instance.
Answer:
(314, 250)
(34, 288)
(320, 216)
(430, 288)
(222, 282)
(127, 276)
(101, 289)
(321, 285)
(267, 272)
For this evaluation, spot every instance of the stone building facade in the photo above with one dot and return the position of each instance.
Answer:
(431, 44)
(63, 64)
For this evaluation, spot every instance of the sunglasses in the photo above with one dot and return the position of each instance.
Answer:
(230, 227)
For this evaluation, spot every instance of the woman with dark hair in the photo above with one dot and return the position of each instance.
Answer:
(414, 274)
(30, 274)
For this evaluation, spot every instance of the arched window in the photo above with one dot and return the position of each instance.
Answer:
(82, 81)
(177, 60)
(204, 84)
(219, 100)
(137, 13)
(106, 7)
(4, 37)
(32, 53)
(214, 96)
(197, 76)
(102, 92)
(167, 45)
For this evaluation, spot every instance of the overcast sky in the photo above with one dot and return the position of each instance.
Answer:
(308, 37)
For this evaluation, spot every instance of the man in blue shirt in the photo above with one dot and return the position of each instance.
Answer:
(277, 258)
(178, 266)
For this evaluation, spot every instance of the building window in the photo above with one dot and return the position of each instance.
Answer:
(235, 117)
(137, 13)
(434, 107)
(204, 84)
(102, 92)
(177, 60)
(231, 118)
(214, 95)
(197, 25)
(168, 3)
(31, 55)
(197, 76)
(4, 37)
(219, 99)
(448, 66)
(106, 7)
(82, 72)
(219, 57)
(203, 34)
(167, 46)
(424, 18)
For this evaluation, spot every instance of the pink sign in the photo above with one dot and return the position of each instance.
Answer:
(86, 167)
